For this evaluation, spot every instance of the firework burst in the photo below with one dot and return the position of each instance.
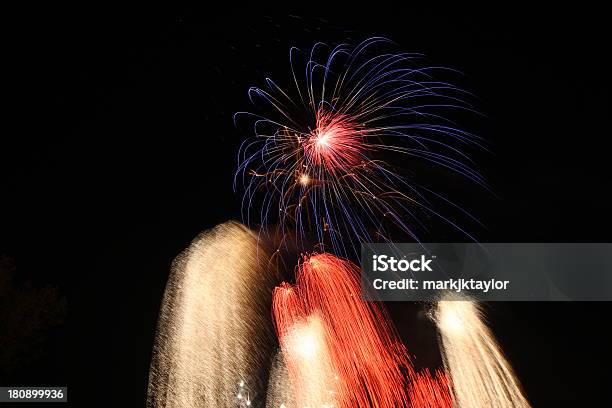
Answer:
(480, 373)
(215, 336)
(336, 156)
(341, 351)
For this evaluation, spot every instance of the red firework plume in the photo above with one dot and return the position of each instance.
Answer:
(342, 351)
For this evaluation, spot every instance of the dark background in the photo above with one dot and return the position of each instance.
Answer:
(130, 151)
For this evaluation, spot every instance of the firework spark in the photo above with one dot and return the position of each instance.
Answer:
(215, 336)
(481, 375)
(343, 351)
(332, 153)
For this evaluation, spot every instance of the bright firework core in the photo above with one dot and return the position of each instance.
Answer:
(306, 341)
(335, 145)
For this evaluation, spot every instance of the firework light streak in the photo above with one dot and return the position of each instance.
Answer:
(348, 346)
(331, 152)
(280, 394)
(481, 375)
(215, 336)
(429, 391)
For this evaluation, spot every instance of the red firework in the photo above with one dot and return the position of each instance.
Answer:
(345, 346)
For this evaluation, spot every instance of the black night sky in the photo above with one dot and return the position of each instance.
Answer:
(130, 150)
